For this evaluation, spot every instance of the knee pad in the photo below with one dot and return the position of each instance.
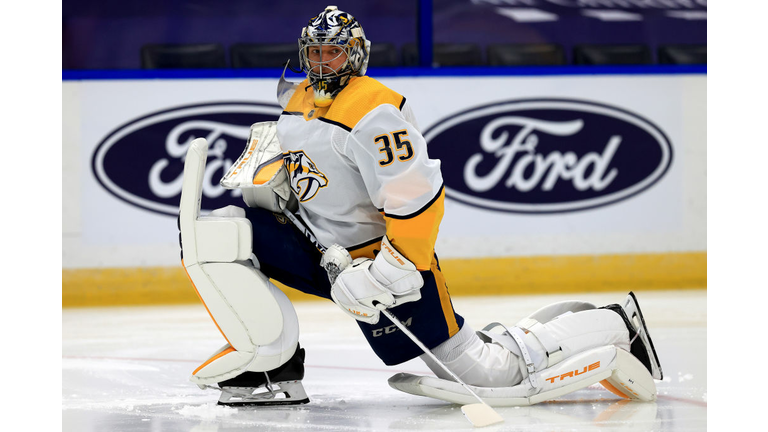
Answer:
(254, 316)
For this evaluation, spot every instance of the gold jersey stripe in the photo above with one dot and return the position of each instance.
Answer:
(358, 98)
(445, 299)
(415, 237)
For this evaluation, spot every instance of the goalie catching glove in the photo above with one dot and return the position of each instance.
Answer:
(390, 279)
(259, 171)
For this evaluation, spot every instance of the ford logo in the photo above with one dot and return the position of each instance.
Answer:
(547, 155)
(142, 161)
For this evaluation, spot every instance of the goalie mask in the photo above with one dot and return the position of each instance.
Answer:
(332, 49)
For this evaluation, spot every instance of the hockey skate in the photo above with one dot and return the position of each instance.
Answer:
(281, 386)
(641, 345)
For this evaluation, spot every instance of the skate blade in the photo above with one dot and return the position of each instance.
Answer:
(638, 321)
(281, 393)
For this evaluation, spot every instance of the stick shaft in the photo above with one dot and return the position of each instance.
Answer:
(427, 351)
(298, 224)
(304, 230)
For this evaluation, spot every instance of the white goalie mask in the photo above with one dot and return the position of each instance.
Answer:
(332, 49)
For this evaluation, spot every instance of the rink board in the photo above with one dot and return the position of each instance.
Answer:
(626, 208)
(465, 277)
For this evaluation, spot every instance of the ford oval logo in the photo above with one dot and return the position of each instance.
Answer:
(547, 155)
(142, 162)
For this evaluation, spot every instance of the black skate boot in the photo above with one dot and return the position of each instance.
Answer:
(641, 345)
(280, 386)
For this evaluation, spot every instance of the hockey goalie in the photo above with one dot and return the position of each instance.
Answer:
(343, 202)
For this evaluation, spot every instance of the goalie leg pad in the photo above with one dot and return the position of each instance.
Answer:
(492, 359)
(254, 316)
(257, 320)
(630, 379)
(551, 311)
(605, 364)
(544, 345)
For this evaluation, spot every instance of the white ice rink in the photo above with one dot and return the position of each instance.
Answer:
(127, 369)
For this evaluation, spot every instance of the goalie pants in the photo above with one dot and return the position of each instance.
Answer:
(285, 255)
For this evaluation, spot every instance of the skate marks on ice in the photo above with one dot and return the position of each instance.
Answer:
(126, 369)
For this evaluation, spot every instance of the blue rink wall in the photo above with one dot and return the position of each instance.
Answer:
(557, 179)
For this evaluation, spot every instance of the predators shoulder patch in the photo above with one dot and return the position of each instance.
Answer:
(306, 179)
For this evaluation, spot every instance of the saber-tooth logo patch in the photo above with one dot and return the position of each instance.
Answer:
(305, 178)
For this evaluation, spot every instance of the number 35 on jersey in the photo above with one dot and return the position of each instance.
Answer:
(402, 151)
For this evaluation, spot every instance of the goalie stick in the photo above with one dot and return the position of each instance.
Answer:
(479, 414)
(304, 230)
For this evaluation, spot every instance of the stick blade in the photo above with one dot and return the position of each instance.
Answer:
(481, 415)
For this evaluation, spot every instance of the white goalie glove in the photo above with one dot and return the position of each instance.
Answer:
(259, 172)
(390, 279)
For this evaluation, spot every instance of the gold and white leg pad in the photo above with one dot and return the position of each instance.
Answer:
(616, 369)
(255, 317)
(531, 362)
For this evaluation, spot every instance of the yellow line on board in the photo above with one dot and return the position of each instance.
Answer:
(481, 276)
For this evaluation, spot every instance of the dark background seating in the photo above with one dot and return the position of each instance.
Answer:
(612, 55)
(683, 54)
(383, 55)
(252, 55)
(181, 56)
(248, 34)
(525, 55)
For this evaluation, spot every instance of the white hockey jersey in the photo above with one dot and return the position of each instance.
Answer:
(360, 170)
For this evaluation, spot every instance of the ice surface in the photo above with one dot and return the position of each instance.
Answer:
(127, 369)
